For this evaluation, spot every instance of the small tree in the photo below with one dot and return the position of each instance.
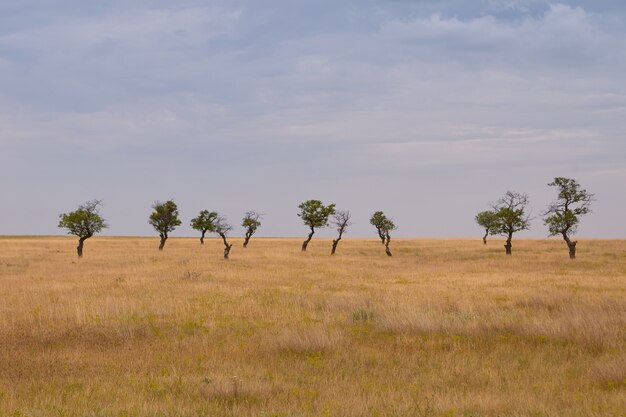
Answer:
(511, 217)
(251, 221)
(84, 222)
(487, 220)
(222, 228)
(563, 215)
(384, 226)
(314, 214)
(379, 220)
(341, 221)
(205, 222)
(164, 219)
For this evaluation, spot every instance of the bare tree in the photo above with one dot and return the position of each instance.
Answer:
(251, 221)
(222, 227)
(563, 215)
(511, 216)
(384, 227)
(84, 222)
(341, 221)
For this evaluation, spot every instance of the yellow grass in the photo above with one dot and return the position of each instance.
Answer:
(444, 328)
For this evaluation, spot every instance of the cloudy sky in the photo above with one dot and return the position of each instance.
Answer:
(427, 110)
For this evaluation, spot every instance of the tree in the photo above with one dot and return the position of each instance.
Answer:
(379, 220)
(205, 222)
(164, 219)
(487, 220)
(563, 215)
(222, 228)
(510, 216)
(314, 214)
(251, 221)
(341, 221)
(384, 226)
(84, 222)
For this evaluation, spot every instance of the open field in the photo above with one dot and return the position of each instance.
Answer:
(444, 328)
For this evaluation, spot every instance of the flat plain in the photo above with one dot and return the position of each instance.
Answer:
(446, 327)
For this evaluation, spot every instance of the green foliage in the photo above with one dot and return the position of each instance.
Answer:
(164, 218)
(251, 221)
(563, 215)
(510, 214)
(486, 219)
(205, 222)
(84, 222)
(382, 223)
(315, 214)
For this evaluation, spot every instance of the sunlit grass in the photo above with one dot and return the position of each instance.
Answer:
(444, 328)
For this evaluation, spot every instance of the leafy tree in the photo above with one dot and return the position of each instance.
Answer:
(341, 221)
(384, 226)
(314, 214)
(84, 222)
(222, 227)
(563, 215)
(164, 219)
(487, 220)
(251, 221)
(511, 217)
(379, 220)
(205, 222)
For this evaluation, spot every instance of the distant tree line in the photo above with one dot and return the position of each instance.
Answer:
(507, 216)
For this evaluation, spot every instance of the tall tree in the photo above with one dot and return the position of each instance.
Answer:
(487, 220)
(84, 222)
(384, 226)
(563, 215)
(314, 214)
(222, 227)
(164, 219)
(511, 217)
(341, 221)
(251, 221)
(205, 222)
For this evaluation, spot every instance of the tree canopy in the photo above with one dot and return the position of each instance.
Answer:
(563, 215)
(315, 214)
(84, 222)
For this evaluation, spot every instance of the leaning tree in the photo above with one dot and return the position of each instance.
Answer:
(487, 220)
(314, 214)
(222, 227)
(205, 222)
(84, 222)
(341, 221)
(563, 215)
(511, 216)
(384, 226)
(251, 221)
(164, 219)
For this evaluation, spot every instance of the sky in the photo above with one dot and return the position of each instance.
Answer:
(427, 110)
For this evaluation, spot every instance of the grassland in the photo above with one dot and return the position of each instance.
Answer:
(444, 328)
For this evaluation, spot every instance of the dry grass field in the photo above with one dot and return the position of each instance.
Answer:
(444, 328)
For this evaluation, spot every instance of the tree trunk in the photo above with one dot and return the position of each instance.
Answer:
(306, 242)
(571, 245)
(387, 240)
(247, 239)
(508, 244)
(335, 243)
(163, 239)
(381, 236)
(79, 248)
(485, 237)
(202, 237)
(227, 247)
